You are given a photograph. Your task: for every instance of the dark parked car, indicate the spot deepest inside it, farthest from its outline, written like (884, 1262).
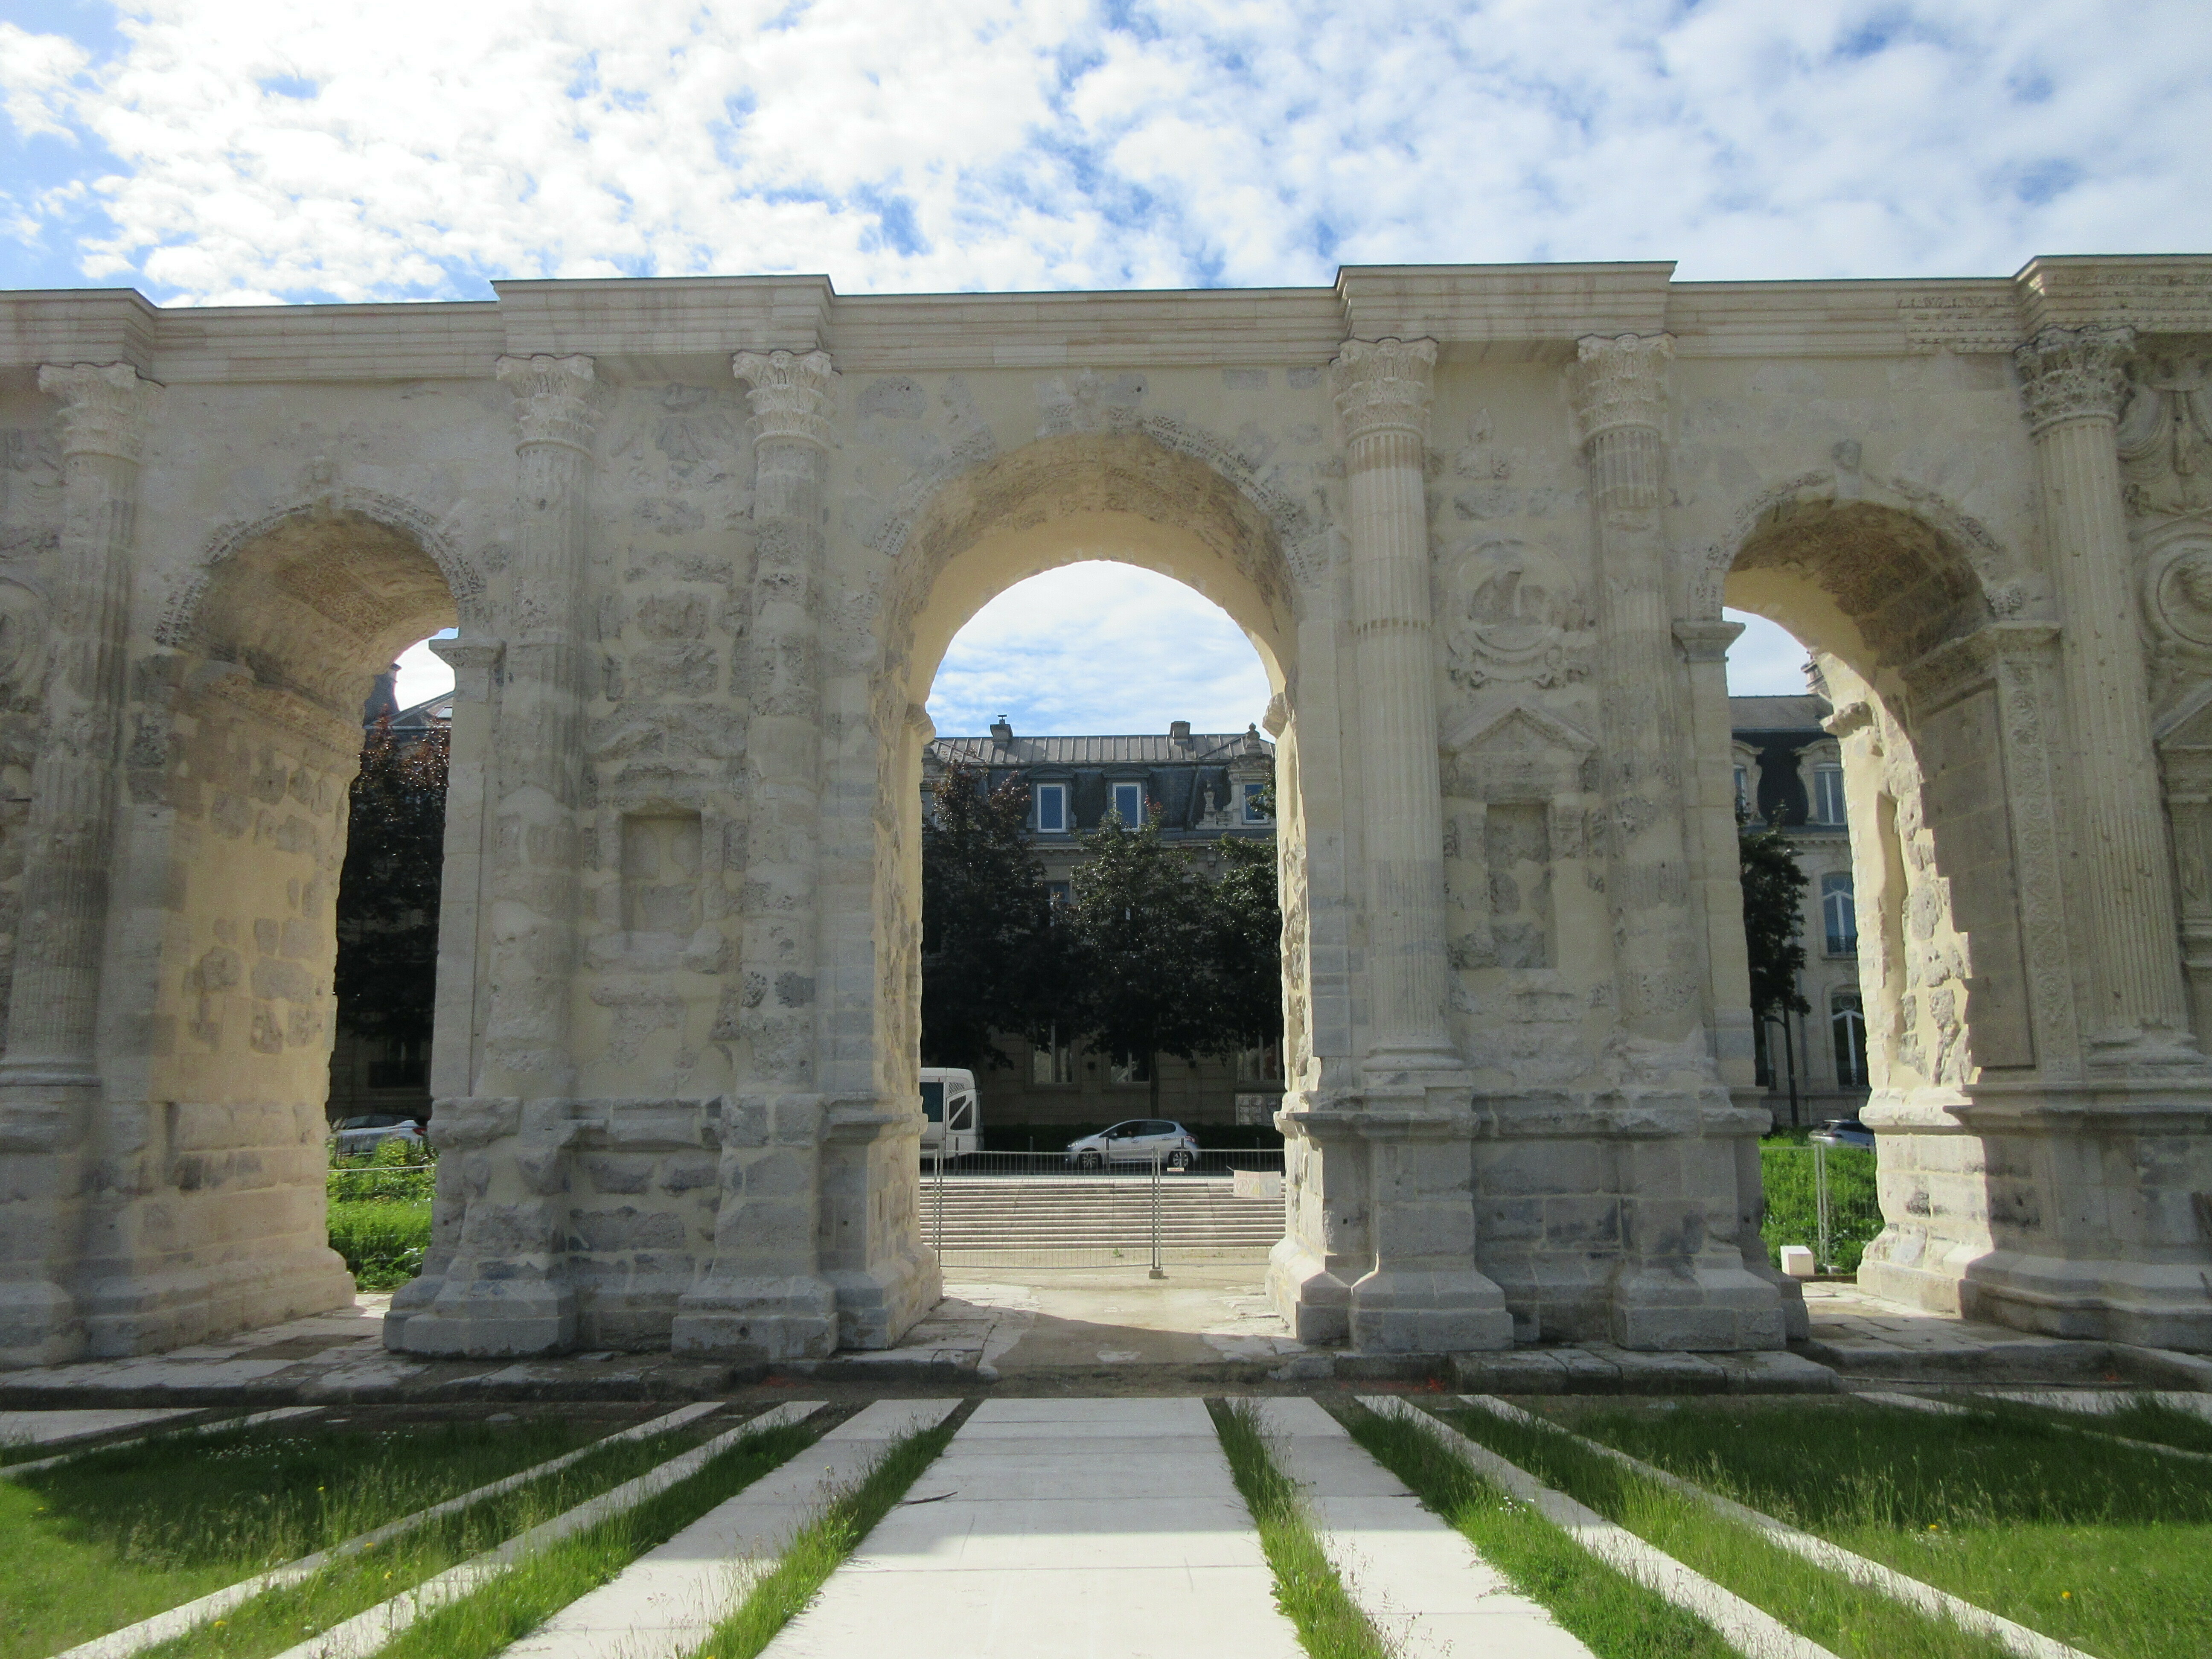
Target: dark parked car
(1843, 1132)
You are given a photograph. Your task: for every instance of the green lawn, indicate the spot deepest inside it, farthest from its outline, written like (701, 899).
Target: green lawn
(2102, 1547)
(382, 1240)
(114, 1536)
(1792, 1216)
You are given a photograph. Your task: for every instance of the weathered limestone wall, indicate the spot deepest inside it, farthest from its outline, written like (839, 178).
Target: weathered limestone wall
(705, 542)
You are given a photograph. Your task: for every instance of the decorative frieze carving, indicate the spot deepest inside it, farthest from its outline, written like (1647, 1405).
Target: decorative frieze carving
(2073, 374)
(791, 394)
(2166, 432)
(556, 400)
(1510, 625)
(1383, 385)
(1619, 382)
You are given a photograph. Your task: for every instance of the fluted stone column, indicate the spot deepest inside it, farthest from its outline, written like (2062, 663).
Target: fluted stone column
(765, 1297)
(1678, 1151)
(1619, 392)
(50, 1080)
(506, 1289)
(2072, 383)
(1415, 1103)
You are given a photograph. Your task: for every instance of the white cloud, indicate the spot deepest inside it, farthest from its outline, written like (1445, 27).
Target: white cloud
(254, 151)
(1096, 649)
(422, 674)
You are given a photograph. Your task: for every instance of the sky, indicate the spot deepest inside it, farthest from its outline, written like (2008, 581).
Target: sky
(229, 152)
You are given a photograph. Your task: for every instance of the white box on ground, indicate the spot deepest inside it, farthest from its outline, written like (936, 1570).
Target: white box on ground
(1797, 1261)
(1255, 1183)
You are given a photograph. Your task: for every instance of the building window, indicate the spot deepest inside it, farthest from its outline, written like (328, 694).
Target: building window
(1060, 892)
(1129, 804)
(1131, 1068)
(1052, 1061)
(1742, 792)
(1052, 809)
(1839, 912)
(1255, 803)
(1261, 1063)
(1828, 795)
(1848, 1022)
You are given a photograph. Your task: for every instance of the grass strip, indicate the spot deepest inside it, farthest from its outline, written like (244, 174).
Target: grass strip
(1307, 1588)
(2095, 1544)
(2144, 1419)
(278, 1619)
(543, 1582)
(1611, 1614)
(117, 1533)
(818, 1548)
(1856, 1619)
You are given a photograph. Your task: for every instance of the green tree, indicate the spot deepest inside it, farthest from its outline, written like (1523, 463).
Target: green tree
(1248, 952)
(1773, 922)
(387, 907)
(1146, 941)
(992, 949)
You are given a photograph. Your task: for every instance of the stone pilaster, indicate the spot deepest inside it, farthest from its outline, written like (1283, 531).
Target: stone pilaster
(505, 1288)
(454, 1053)
(2072, 384)
(1619, 392)
(1414, 1106)
(765, 1297)
(1683, 1281)
(50, 1080)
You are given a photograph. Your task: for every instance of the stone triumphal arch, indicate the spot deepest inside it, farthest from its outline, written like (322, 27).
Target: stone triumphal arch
(705, 542)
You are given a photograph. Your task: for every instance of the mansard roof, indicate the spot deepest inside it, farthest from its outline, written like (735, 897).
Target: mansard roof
(1199, 749)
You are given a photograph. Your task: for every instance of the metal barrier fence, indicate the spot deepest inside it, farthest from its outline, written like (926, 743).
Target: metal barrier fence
(1822, 1197)
(1037, 1210)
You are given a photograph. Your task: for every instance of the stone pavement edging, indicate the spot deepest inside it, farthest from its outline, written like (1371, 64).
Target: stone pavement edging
(668, 1600)
(1420, 1584)
(2017, 1639)
(1750, 1631)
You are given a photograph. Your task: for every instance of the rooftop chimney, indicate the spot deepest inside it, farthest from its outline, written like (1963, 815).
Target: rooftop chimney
(1000, 732)
(1179, 732)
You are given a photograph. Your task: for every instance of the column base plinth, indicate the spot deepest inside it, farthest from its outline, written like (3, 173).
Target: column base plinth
(1698, 1309)
(490, 1319)
(793, 1317)
(1428, 1310)
(1313, 1302)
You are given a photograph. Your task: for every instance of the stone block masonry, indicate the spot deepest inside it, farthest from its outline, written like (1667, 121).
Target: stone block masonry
(706, 541)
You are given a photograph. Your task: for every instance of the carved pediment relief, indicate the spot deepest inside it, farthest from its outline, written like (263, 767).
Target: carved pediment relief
(1519, 751)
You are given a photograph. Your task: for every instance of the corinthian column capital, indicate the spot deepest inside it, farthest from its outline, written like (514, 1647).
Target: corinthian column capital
(791, 394)
(1383, 385)
(2073, 375)
(1618, 381)
(556, 400)
(105, 407)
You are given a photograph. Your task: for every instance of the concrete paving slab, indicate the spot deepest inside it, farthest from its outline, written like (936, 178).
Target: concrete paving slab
(61, 1428)
(1029, 1548)
(669, 1601)
(1419, 1582)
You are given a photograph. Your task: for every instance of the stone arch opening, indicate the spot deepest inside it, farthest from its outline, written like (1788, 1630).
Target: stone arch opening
(270, 663)
(1119, 497)
(1941, 710)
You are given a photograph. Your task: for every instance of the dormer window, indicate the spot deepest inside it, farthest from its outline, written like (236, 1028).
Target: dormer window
(1129, 804)
(1255, 803)
(1051, 809)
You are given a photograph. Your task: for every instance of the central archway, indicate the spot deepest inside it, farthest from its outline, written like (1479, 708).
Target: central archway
(1123, 497)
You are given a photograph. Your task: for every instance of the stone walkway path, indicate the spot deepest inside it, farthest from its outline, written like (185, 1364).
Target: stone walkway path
(1062, 1527)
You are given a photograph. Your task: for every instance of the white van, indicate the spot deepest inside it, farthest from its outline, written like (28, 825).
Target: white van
(954, 1119)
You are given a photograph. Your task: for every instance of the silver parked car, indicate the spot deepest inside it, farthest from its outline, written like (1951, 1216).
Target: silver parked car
(1140, 1140)
(356, 1135)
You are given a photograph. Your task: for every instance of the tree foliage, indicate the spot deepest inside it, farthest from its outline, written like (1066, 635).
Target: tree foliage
(1773, 920)
(994, 955)
(387, 904)
(1152, 957)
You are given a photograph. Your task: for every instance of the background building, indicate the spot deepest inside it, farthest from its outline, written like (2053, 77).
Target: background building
(1789, 773)
(1200, 788)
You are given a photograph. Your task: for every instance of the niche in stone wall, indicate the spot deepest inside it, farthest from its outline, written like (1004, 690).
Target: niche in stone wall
(1516, 847)
(661, 870)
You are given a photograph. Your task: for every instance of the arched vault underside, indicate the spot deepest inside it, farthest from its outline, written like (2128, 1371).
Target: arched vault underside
(707, 543)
